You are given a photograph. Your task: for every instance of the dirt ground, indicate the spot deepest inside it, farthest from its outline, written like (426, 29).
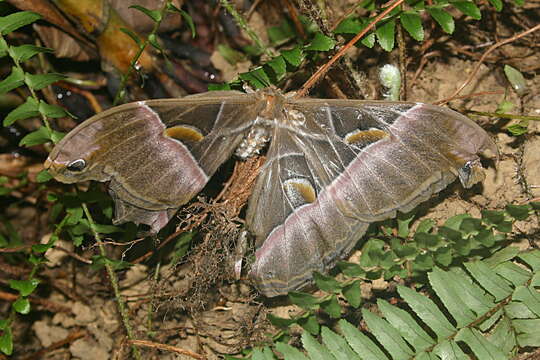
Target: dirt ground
(78, 311)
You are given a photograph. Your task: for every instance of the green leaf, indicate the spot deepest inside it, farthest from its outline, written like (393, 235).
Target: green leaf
(481, 347)
(513, 273)
(264, 354)
(350, 25)
(6, 341)
(218, 87)
(22, 306)
(25, 52)
(385, 34)
(502, 256)
(304, 300)
(25, 287)
(314, 349)
(326, 283)
(403, 221)
(448, 290)
(518, 310)
(4, 47)
(16, 20)
(455, 221)
(504, 107)
(532, 258)
(75, 215)
(497, 4)
(518, 212)
(99, 261)
(492, 217)
(427, 241)
(293, 56)
(372, 253)
(256, 78)
(28, 109)
(280, 322)
(505, 227)
(443, 18)
(528, 332)
(289, 352)
(426, 310)
(471, 226)
(332, 307)
(518, 129)
(133, 36)
(412, 22)
(309, 323)
(425, 226)
(528, 296)
(353, 293)
(278, 65)
(321, 42)
(155, 15)
(107, 229)
(39, 81)
(14, 80)
(360, 343)
(387, 336)
(406, 325)
(489, 280)
(351, 269)
(337, 345)
(40, 136)
(152, 39)
(51, 111)
(450, 234)
(231, 55)
(443, 256)
(468, 8)
(187, 18)
(282, 33)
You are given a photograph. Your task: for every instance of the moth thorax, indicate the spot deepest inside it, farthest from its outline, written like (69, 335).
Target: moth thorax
(253, 143)
(296, 117)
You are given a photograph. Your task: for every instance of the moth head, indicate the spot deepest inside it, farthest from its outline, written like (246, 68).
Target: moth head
(67, 171)
(471, 173)
(73, 159)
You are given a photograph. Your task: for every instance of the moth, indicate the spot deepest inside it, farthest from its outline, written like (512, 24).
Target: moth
(332, 168)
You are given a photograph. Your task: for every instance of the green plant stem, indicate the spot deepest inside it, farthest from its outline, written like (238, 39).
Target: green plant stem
(32, 92)
(122, 308)
(244, 26)
(132, 66)
(504, 116)
(152, 298)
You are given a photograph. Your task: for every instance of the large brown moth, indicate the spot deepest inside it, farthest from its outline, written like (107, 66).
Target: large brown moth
(333, 166)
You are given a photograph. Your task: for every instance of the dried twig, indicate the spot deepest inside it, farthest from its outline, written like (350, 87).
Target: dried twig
(56, 345)
(491, 49)
(166, 347)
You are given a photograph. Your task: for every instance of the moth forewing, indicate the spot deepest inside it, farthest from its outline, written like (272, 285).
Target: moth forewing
(153, 171)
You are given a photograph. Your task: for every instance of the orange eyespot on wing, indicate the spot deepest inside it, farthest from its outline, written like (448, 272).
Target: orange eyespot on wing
(300, 189)
(184, 133)
(365, 137)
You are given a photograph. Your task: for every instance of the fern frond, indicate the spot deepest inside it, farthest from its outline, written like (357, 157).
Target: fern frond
(485, 309)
